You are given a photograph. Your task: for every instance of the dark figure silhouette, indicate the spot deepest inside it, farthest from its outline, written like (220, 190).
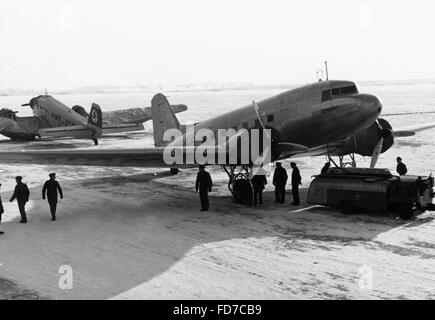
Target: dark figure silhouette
(51, 188)
(258, 183)
(325, 168)
(280, 178)
(203, 185)
(1, 210)
(21, 193)
(296, 182)
(401, 167)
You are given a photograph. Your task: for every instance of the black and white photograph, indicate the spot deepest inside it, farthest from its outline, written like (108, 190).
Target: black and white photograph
(187, 150)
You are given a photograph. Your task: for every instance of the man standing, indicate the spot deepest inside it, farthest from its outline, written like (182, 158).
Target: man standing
(401, 167)
(21, 193)
(296, 181)
(1, 210)
(51, 187)
(258, 182)
(203, 185)
(325, 168)
(280, 178)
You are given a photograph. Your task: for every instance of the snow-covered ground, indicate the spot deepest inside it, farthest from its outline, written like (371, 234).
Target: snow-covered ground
(132, 233)
(142, 236)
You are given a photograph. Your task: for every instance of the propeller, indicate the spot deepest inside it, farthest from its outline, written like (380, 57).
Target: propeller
(257, 111)
(384, 133)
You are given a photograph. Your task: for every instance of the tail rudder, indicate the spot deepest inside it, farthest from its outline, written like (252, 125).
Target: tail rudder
(163, 118)
(95, 119)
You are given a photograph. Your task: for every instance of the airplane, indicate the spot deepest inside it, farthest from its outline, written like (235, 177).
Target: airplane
(323, 118)
(53, 119)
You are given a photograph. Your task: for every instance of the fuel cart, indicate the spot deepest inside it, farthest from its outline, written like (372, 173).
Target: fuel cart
(354, 190)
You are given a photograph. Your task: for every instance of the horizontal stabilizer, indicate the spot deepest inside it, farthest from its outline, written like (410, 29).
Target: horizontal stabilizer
(66, 132)
(109, 128)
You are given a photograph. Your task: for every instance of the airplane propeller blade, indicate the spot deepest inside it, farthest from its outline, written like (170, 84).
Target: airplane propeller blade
(257, 111)
(376, 153)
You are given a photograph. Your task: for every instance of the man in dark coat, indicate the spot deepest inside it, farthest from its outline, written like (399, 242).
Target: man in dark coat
(401, 167)
(296, 182)
(258, 182)
(1, 210)
(280, 178)
(52, 187)
(21, 193)
(325, 168)
(203, 185)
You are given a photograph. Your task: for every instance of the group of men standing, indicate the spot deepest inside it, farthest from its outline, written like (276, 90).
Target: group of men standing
(204, 184)
(21, 194)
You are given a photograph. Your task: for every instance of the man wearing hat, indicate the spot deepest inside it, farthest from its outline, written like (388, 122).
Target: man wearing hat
(280, 178)
(51, 187)
(21, 193)
(203, 185)
(401, 167)
(296, 182)
(1, 210)
(325, 168)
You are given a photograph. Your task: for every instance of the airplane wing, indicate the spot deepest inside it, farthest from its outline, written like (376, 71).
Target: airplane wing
(135, 115)
(109, 128)
(413, 129)
(145, 157)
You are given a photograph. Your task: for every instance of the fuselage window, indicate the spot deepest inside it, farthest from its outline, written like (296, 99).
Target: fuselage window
(337, 92)
(326, 95)
(257, 124)
(270, 118)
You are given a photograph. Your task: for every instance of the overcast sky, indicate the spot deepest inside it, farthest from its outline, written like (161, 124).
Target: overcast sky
(72, 43)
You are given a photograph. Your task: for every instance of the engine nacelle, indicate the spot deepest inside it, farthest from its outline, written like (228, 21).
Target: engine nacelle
(80, 110)
(8, 113)
(365, 141)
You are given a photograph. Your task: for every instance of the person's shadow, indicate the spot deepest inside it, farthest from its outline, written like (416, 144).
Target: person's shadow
(118, 233)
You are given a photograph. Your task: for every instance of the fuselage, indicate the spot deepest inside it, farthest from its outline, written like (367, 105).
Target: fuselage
(311, 115)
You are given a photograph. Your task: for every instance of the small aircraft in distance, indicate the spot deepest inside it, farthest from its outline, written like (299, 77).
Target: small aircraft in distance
(323, 118)
(53, 119)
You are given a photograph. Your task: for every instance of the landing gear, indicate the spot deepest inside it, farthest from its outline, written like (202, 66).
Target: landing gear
(239, 183)
(349, 163)
(345, 161)
(94, 138)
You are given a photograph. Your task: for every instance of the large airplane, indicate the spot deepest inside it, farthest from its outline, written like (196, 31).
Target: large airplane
(324, 118)
(53, 119)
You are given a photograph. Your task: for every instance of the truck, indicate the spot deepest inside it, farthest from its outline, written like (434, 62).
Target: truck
(354, 190)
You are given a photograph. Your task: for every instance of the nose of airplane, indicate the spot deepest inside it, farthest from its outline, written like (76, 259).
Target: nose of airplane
(370, 105)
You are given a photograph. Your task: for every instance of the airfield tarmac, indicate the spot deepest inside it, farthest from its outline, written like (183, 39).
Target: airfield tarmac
(141, 236)
(134, 233)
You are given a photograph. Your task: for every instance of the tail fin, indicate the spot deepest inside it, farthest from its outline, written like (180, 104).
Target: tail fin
(95, 119)
(163, 118)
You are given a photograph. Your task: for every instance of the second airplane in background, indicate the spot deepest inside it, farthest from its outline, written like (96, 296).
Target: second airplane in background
(53, 119)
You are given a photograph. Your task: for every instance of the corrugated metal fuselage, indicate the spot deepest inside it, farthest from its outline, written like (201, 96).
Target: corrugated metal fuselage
(300, 116)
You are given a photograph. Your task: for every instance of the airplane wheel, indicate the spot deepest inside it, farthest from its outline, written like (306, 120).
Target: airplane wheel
(242, 191)
(174, 171)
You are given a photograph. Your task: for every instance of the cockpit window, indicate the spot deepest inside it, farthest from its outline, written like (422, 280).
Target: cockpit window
(337, 92)
(348, 90)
